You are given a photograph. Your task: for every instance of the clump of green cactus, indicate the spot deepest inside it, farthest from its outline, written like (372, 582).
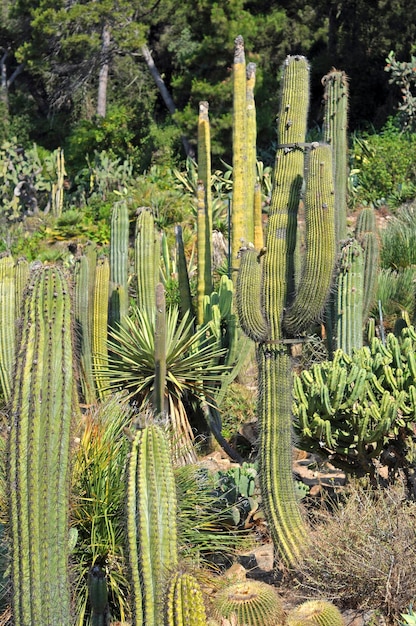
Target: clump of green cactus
(151, 522)
(315, 613)
(271, 309)
(42, 406)
(252, 602)
(184, 604)
(358, 410)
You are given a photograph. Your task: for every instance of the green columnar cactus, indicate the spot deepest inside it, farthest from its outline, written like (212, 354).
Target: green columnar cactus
(315, 613)
(366, 235)
(184, 604)
(146, 261)
(98, 595)
(21, 278)
(151, 523)
(258, 238)
(275, 283)
(238, 213)
(119, 246)
(185, 304)
(336, 96)
(252, 602)
(84, 279)
(100, 326)
(315, 280)
(251, 147)
(350, 291)
(42, 405)
(204, 216)
(8, 323)
(160, 351)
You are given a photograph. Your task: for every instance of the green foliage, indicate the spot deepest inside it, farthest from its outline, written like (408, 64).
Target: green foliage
(403, 75)
(398, 239)
(383, 169)
(396, 291)
(97, 512)
(409, 618)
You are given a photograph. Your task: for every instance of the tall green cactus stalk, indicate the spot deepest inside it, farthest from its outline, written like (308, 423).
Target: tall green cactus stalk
(184, 604)
(185, 304)
(151, 523)
(8, 323)
(336, 97)
(42, 405)
(160, 351)
(265, 293)
(366, 234)
(238, 213)
(100, 327)
(84, 279)
(204, 216)
(350, 290)
(146, 261)
(119, 248)
(251, 147)
(258, 236)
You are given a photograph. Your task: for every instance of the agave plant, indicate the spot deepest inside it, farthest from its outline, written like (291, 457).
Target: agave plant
(192, 369)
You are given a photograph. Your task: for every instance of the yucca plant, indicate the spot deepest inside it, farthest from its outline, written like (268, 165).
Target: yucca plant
(97, 514)
(192, 368)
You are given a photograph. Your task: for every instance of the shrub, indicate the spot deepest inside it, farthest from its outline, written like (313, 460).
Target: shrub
(367, 565)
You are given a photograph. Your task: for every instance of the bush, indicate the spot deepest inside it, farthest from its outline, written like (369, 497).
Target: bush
(367, 565)
(383, 167)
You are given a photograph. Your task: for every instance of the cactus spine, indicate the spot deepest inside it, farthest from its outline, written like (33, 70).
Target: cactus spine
(184, 602)
(151, 523)
(275, 283)
(38, 470)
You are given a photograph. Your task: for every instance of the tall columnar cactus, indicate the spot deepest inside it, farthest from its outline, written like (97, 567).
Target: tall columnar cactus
(42, 405)
(8, 323)
(99, 344)
(146, 260)
(151, 523)
(184, 604)
(98, 596)
(84, 295)
(251, 148)
(350, 291)
(204, 215)
(264, 293)
(366, 234)
(238, 213)
(336, 97)
(160, 351)
(119, 247)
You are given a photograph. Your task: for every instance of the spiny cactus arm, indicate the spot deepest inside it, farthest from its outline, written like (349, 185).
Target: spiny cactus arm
(248, 296)
(350, 286)
(132, 534)
(203, 261)
(238, 214)
(184, 602)
(251, 148)
(319, 261)
(336, 97)
(151, 503)
(146, 260)
(100, 326)
(119, 244)
(366, 235)
(278, 267)
(8, 323)
(204, 173)
(160, 351)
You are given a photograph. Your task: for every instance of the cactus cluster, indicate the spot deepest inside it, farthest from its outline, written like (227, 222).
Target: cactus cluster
(350, 408)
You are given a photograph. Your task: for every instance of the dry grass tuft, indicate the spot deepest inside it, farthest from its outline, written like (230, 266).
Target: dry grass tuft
(363, 553)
